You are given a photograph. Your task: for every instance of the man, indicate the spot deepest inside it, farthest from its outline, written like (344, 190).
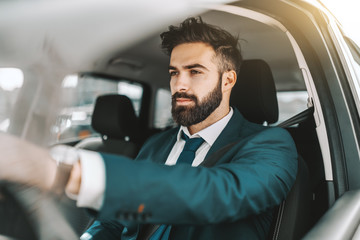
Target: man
(172, 190)
(234, 199)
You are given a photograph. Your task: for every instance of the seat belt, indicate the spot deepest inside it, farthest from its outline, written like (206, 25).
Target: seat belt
(298, 118)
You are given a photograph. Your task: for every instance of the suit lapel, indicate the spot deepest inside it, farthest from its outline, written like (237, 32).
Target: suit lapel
(163, 151)
(230, 134)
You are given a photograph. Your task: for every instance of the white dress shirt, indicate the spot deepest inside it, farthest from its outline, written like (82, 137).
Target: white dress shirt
(209, 134)
(92, 186)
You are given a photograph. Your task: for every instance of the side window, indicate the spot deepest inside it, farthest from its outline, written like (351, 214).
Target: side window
(79, 94)
(291, 103)
(11, 80)
(162, 114)
(355, 53)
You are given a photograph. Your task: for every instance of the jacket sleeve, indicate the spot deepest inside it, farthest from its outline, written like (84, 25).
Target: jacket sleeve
(251, 178)
(110, 230)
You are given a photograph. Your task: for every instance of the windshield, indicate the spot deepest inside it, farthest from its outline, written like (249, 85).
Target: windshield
(11, 80)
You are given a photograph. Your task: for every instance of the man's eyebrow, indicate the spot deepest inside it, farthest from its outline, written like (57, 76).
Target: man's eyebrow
(172, 68)
(195, 65)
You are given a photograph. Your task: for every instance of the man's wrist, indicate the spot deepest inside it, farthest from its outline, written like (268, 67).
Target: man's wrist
(74, 183)
(91, 178)
(65, 157)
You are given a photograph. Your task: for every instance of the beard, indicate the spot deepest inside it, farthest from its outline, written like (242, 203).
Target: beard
(190, 115)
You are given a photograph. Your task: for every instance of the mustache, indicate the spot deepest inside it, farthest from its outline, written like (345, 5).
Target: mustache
(183, 95)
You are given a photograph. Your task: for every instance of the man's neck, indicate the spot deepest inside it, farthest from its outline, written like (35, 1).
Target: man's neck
(215, 116)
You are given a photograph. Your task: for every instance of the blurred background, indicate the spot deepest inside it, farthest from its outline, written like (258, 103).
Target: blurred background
(347, 13)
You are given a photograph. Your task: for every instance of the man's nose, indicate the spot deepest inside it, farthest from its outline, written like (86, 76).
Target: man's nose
(182, 83)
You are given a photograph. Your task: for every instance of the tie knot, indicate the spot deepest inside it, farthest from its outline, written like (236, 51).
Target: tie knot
(191, 144)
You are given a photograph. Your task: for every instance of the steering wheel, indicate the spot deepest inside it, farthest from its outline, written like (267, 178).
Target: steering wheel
(28, 213)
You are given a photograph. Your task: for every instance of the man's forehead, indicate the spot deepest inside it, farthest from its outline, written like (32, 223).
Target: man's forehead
(192, 54)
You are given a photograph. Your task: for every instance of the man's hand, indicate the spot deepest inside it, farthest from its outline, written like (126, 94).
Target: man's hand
(25, 163)
(73, 186)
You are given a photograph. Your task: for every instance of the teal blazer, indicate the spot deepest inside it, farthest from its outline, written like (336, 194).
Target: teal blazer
(234, 199)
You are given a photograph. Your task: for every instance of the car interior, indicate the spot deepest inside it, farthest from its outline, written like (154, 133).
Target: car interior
(124, 99)
(270, 90)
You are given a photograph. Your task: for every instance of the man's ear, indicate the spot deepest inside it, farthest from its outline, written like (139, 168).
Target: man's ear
(228, 80)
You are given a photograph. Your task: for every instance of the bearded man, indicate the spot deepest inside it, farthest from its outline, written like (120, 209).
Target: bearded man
(169, 191)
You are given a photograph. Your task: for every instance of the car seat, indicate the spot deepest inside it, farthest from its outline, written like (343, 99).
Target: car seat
(115, 119)
(254, 95)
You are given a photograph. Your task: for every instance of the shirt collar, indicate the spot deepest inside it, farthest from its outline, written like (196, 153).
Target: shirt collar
(212, 132)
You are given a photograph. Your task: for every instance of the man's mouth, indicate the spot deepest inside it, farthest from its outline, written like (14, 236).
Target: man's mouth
(184, 101)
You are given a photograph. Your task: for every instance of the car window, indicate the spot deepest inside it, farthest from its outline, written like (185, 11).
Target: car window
(355, 53)
(11, 81)
(291, 103)
(79, 94)
(162, 114)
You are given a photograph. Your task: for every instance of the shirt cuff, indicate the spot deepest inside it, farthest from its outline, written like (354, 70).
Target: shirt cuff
(92, 188)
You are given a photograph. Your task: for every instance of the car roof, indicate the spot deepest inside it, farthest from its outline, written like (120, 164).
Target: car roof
(122, 38)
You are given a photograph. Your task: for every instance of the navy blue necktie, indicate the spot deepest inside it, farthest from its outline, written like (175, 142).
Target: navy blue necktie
(186, 157)
(188, 153)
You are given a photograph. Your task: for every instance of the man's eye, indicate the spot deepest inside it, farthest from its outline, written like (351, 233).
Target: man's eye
(194, 72)
(173, 73)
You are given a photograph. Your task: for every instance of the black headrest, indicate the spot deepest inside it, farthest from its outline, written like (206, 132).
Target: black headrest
(114, 116)
(254, 93)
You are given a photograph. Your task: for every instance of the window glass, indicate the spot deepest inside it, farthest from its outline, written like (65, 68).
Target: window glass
(79, 94)
(11, 81)
(162, 115)
(291, 103)
(355, 53)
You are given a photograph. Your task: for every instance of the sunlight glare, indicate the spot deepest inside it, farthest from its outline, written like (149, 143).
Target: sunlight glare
(11, 78)
(347, 13)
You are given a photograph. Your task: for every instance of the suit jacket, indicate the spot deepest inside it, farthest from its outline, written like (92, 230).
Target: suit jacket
(234, 199)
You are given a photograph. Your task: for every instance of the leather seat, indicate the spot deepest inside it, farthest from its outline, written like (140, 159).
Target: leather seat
(115, 119)
(254, 95)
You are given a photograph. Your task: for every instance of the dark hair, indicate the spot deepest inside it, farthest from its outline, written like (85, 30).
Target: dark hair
(193, 30)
